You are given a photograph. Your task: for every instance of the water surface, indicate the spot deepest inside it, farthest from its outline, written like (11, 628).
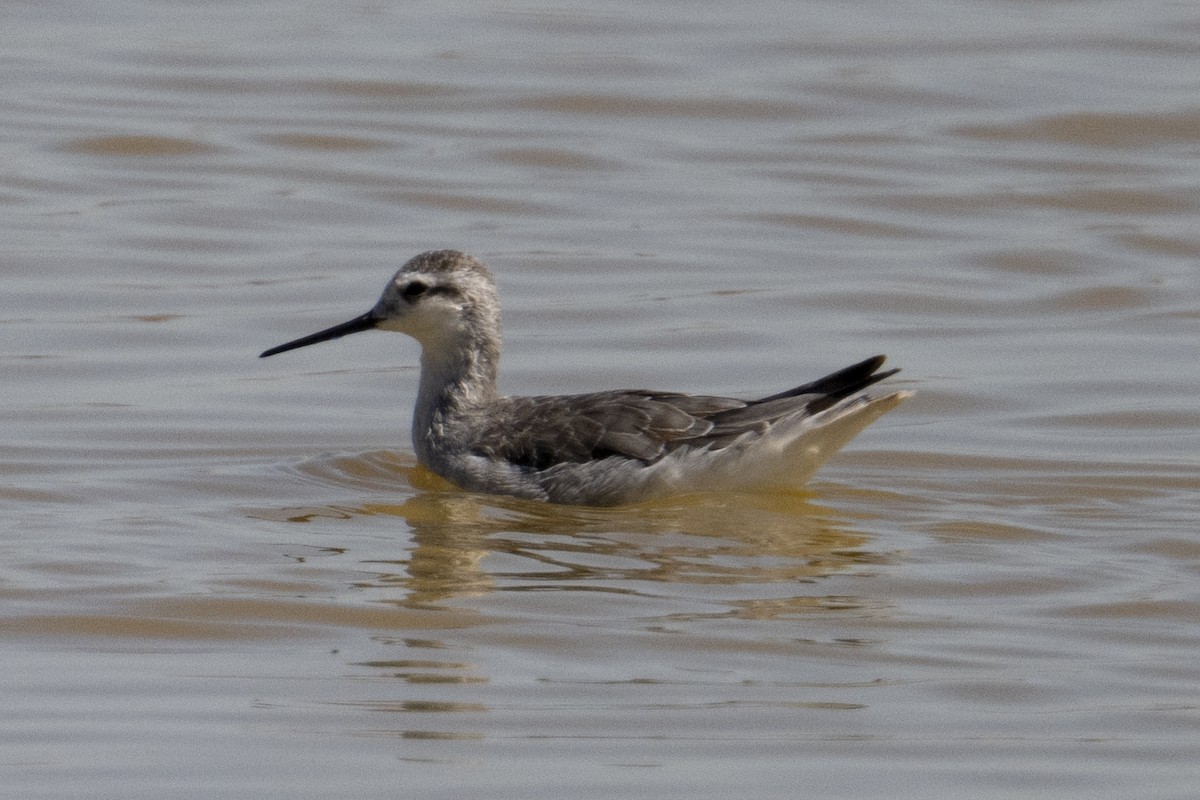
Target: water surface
(228, 577)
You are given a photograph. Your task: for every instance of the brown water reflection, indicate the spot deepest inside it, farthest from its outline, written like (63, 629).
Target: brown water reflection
(703, 540)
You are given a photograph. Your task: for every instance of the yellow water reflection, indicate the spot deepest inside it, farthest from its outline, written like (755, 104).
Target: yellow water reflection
(466, 545)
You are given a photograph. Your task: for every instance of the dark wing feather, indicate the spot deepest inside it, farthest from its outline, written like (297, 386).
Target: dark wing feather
(539, 432)
(836, 385)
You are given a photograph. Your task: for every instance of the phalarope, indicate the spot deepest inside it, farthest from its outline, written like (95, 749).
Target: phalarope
(606, 448)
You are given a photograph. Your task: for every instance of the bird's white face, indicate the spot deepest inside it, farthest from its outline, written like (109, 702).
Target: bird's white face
(439, 309)
(422, 305)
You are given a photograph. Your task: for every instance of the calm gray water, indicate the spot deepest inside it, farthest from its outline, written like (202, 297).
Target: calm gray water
(226, 577)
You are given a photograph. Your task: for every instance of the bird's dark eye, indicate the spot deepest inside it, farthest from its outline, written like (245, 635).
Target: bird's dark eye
(413, 290)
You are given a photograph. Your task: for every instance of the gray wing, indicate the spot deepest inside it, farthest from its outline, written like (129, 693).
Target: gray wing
(539, 432)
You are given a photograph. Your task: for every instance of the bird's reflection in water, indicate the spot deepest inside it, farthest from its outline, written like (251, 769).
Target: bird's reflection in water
(468, 544)
(465, 544)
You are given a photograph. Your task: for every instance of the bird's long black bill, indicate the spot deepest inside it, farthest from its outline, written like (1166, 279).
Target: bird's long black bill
(363, 323)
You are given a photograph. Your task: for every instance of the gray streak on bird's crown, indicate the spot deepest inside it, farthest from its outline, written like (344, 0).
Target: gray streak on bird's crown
(446, 262)
(449, 272)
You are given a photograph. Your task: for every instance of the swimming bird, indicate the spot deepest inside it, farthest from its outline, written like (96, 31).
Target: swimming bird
(604, 448)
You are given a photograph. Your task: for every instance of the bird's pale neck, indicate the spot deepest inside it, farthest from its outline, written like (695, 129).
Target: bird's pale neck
(457, 374)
